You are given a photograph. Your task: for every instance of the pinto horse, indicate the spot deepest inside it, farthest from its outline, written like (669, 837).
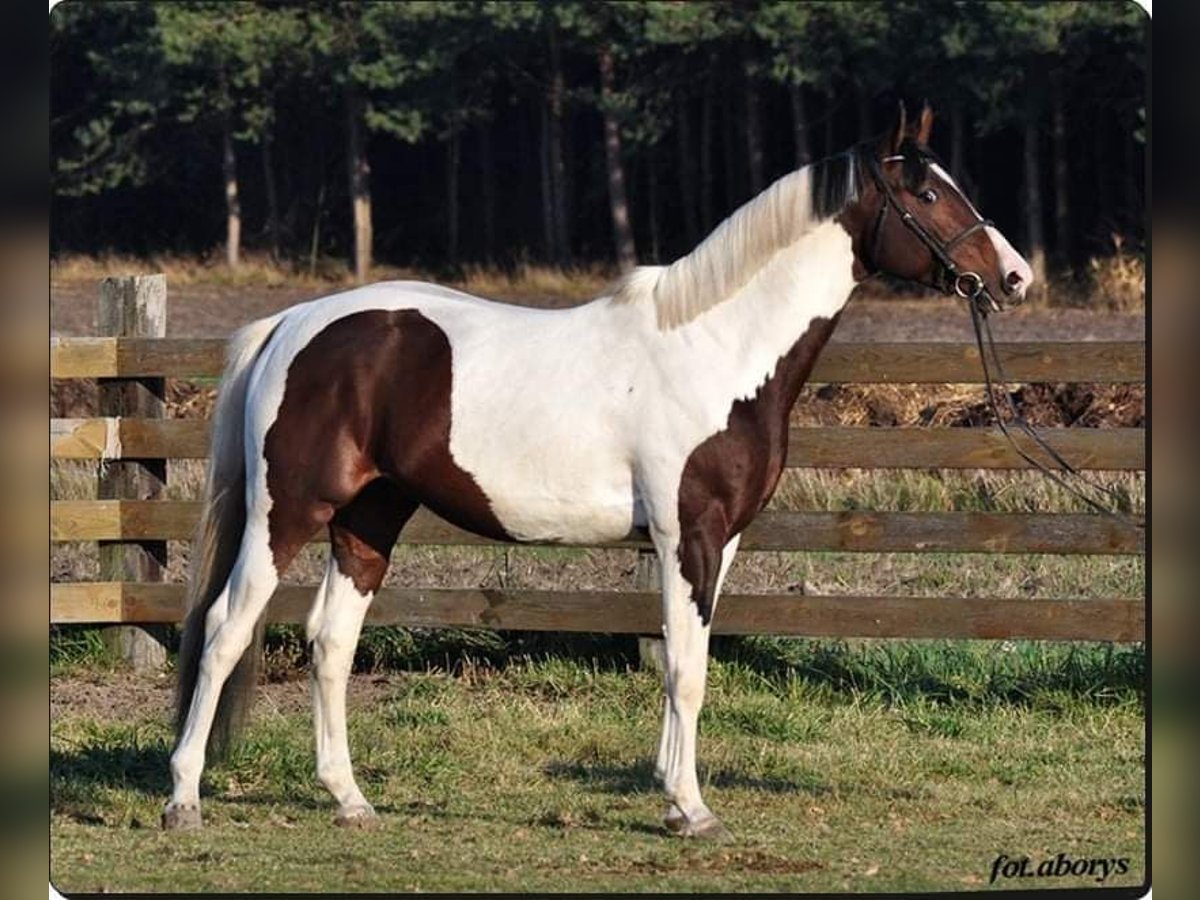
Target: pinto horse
(661, 405)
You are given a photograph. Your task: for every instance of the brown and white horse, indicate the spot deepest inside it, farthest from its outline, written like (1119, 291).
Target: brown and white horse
(663, 404)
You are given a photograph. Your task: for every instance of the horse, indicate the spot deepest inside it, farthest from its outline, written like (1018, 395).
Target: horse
(661, 405)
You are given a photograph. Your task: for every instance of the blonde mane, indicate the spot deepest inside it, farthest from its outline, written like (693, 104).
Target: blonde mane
(743, 244)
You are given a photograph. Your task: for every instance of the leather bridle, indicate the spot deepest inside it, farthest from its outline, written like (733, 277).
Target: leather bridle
(950, 279)
(968, 285)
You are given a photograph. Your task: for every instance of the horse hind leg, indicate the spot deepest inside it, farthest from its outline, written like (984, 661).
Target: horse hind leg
(361, 537)
(228, 633)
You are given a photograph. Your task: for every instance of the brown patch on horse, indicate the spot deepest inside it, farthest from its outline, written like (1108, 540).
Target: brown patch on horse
(363, 533)
(729, 478)
(368, 397)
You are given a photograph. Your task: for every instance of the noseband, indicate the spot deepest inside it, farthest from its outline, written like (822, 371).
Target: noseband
(951, 279)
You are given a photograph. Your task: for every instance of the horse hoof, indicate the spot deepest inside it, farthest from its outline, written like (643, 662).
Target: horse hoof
(363, 817)
(674, 819)
(181, 817)
(709, 829)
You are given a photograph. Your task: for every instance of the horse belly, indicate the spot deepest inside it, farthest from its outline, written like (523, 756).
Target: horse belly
(560, 498)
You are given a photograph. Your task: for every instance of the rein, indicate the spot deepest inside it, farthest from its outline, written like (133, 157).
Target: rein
(970, 287)
(980, 322)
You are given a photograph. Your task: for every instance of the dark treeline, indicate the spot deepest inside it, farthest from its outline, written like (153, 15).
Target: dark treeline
(436, 134)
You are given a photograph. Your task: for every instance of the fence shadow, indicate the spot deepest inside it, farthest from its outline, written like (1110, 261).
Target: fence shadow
(77, 774)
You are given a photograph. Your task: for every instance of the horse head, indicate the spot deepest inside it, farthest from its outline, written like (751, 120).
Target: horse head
(914, 222)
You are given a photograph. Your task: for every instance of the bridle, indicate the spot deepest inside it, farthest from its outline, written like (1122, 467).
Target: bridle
(950, 278)
(968, 285)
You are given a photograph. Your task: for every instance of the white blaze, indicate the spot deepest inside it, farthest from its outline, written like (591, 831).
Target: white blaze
(1010, 260)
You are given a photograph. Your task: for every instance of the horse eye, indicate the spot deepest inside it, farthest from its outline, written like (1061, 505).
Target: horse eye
(928, 195)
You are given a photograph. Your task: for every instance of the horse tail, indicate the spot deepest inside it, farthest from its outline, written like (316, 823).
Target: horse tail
(217, 540)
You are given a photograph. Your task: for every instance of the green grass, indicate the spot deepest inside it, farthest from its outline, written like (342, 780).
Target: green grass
(838, 765)
(521, 761)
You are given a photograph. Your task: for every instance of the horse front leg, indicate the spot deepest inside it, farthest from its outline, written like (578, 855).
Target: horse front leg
(688, 604)
(667, 736)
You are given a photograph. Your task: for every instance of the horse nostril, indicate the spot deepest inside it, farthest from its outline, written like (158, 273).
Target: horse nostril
(1013, 280)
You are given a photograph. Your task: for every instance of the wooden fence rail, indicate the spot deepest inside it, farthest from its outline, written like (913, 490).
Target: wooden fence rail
(130, 521)
(811, 447)
(637, 612)
(1109, 362)
(848, 531)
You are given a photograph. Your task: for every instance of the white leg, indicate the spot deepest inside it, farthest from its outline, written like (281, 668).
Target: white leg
(687, 668)
(668, 736)
(229, 629)
(334, 635)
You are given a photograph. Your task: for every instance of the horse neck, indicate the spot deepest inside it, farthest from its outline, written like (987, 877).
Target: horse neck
(785, 307)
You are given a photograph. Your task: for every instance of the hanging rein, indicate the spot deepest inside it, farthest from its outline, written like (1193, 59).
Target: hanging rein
(969, 286)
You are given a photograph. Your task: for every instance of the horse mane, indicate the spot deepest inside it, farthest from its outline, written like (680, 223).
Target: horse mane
(744, 243)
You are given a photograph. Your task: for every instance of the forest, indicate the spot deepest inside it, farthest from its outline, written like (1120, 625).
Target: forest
(440, 134)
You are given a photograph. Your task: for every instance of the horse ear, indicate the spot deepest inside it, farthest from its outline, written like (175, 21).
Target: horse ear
(897, 137)
(925, 125)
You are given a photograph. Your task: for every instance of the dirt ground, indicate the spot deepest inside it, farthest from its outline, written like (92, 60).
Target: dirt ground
(127, 696)
(213, 310)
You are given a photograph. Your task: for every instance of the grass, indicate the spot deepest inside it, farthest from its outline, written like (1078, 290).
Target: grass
(839, 767)
(519, 281)
(1113, 282)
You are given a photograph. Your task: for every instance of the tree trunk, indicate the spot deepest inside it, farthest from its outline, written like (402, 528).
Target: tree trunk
(863, 107)
(799, 126)
(548, 231)
(487, 166)
(272, 195)
(830, 134)
(957, 150)
(359, 171)
(314, 247)
(618, 202)
(1033, 203)
(1103, 175)
(1132, 181)
(453, 154)
(729, 149)
(233, 206)
(1062, 211)
(652, 202)
(687, 176)
(706, 162)
(754, 140)
(555, 102)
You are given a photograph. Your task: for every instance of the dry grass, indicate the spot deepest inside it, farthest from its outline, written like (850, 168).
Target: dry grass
(1115, 283)
(523, 281)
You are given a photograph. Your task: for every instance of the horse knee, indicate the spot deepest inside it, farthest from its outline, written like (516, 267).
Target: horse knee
(329, 648)
(687, 687)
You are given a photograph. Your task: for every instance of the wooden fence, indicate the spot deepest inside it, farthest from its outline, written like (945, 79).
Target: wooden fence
(132, 524)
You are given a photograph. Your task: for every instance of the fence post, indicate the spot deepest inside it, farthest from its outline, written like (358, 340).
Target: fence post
(647, 576)
(133, 306)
